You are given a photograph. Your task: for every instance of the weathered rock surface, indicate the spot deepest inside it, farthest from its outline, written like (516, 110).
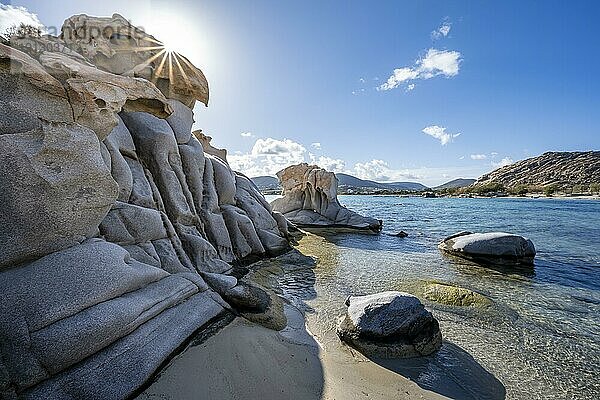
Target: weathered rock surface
(97, 96)
(563, 169)
(208, 148)
(389, 325)
(117, 229)
(29, 94)
(115, 45)
(55, 190)
(493, 247)
(310, 201)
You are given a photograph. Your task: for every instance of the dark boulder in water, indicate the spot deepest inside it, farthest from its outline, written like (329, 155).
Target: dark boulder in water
(400, 234)
(389, 325)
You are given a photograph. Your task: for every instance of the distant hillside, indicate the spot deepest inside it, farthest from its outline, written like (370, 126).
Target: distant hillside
(265, 183)
(456, 184)
(346, 183)
(561, 169)
(351, 182)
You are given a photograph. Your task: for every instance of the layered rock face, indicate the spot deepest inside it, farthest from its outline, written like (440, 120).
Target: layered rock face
(117, 228)
(310, 201)
(564, 169)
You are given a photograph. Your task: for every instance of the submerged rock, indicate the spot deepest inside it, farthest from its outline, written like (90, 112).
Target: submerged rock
(494, 247)
(452, 295)
(400, 234)
(389, 325)
(310, 201)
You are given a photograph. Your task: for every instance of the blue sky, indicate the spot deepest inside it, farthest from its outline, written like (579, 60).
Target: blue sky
(290, 81)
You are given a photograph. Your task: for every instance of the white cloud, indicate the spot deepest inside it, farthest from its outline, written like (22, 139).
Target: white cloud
(503, 163)
(270, 146)
(11, 16)
(439, 62)
(268, 156)
(410, 87)
(440, 133)
(434, 63)
(372, 170)
(362, 80)
(399, 76)
(442, 31)
(478, 156)
(247, 134)
(330, 164)
(379, 170)
(493, 154)
(316, 145)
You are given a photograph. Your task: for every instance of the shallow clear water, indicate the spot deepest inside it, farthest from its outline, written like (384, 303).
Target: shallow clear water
(540, 337)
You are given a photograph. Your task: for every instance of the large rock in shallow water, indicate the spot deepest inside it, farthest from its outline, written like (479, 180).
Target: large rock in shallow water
(310, 201)
(390, 325)
(494, 247)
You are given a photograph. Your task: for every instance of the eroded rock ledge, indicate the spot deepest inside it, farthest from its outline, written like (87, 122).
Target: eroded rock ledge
(310, 201)
(117, 228)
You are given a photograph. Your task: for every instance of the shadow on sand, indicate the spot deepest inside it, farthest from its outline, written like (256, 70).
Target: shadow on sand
(451, 372)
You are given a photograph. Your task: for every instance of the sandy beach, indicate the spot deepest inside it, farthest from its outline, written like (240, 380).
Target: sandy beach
(247, 361)
(306, 359)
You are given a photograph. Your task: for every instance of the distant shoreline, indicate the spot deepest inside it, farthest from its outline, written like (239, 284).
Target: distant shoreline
(532, 197)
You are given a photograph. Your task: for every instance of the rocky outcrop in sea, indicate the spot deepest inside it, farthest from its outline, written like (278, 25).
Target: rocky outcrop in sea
(309, 200)
(119, 228)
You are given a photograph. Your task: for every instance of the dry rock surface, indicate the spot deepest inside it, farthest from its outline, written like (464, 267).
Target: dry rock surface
(119, 231)
(310, 201)
(493, 247)
(389, 325)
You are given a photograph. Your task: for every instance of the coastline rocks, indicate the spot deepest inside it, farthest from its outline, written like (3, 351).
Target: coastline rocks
(310, 201)
(494, 247)
(29, 94)
(118, 229)
(55, 191)
(451, 295)
(97, 96)
(109, 44)
(208, 148)
(389, 325)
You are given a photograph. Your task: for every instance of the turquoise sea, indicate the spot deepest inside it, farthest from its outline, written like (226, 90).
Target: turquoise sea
(541, 337)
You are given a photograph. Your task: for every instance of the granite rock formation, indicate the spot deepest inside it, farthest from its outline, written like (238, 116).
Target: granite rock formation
(118, 229)
(310, 201)
(389, 325)
(494, 247)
